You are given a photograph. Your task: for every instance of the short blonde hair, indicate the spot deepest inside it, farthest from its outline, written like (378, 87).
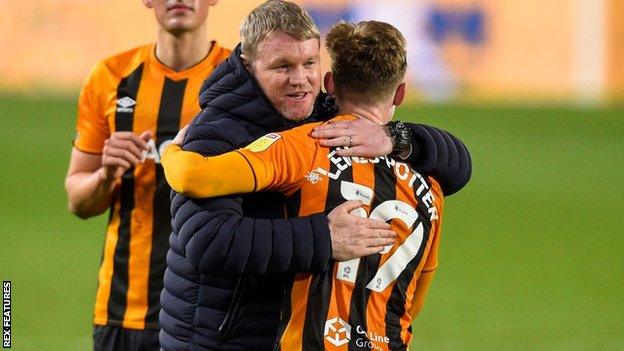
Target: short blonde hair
(275, 16)
(368, 59)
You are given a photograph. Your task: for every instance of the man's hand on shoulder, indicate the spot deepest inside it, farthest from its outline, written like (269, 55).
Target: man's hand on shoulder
(362, 138)
(179, 138)
(353, 236)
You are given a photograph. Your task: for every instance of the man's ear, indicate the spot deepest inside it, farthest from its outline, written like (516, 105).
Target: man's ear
(148, 3)
(246, 62)
(399, 94)
(328, 81)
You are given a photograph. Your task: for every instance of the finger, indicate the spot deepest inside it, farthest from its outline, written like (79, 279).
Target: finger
(179, 138)
(146, 135)
(125, 145)
(123, 154)
(375, 224)
(342, 141)
(379, 242)
(355, 151)
(331, 125)
(114, 162)
(129, 136)
(121, 135)
(328, 133)
(377, 237)
(374, 250)
(350, 205)
(387, 234)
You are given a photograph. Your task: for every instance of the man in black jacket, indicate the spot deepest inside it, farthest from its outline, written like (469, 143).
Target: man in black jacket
(224, 280)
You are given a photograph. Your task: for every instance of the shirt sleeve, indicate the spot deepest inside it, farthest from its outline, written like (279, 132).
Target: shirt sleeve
(92, 128)
(280, 161)
(266, 164)
(431, 262)
(198, 176)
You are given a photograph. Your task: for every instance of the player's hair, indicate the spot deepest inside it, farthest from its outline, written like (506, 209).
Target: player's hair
(368, 59)
(275, 16)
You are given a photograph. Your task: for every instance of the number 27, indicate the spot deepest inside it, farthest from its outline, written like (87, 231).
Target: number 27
(387, 210)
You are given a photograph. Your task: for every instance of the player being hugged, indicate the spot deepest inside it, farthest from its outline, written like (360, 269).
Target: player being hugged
(361, 304)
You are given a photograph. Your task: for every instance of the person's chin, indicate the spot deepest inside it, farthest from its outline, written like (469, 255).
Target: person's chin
(179, 25)
(298, 110)
(299, 113)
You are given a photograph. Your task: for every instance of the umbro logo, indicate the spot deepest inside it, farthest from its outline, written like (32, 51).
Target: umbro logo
(125, 104)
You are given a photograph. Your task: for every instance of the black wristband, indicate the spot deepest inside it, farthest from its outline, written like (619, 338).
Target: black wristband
(401, 136)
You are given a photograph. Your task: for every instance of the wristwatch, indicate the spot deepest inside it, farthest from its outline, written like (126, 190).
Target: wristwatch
(401, 135)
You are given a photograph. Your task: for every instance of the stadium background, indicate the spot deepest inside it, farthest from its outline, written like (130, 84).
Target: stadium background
(532, 255)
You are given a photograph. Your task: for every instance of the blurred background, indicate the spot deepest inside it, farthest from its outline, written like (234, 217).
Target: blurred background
(532, 255)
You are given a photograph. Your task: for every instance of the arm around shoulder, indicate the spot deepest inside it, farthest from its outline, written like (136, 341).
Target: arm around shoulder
(198, 176)
(217, 239)
(442, 155)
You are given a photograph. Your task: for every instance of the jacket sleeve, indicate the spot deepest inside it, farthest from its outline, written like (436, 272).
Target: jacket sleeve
(440, 154)
(217, 238)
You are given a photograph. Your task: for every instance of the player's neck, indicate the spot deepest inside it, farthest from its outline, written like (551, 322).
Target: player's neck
(183, 51)
(374, 113)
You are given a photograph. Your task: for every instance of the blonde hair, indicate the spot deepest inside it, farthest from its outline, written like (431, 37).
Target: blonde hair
(275, 16)
(368, 59)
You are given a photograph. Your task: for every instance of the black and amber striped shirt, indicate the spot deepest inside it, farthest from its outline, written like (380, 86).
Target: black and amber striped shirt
(362, 304)
(133, 91)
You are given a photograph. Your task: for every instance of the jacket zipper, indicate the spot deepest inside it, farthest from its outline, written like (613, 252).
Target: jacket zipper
(230, 317)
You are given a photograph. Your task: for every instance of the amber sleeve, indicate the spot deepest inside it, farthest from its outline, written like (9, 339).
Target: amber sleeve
(92, 129)
(422, 288)
(197, 176)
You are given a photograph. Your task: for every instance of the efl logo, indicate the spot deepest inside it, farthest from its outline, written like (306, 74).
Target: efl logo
(6, 314)
(337, 331)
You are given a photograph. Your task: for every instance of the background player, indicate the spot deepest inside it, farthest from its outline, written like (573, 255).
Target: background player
(130, 106)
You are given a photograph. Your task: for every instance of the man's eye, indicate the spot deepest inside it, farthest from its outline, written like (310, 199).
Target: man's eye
(310, 63)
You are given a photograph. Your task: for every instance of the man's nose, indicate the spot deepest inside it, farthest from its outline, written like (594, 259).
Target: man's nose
(297, 76)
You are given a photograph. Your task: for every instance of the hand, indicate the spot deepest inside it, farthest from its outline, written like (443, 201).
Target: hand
(363, 138)
(122, 151)
(353, 236)
(179, 138)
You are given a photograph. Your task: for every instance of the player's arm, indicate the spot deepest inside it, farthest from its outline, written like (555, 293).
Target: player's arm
(441, 155)
(98, 158)
(198, 176)
(431, 262)
(216, 238)
(88, 188)
(422, 288)
(91, 178)
(431, 150)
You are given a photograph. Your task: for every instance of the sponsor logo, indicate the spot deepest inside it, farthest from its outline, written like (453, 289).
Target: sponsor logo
(337, 331)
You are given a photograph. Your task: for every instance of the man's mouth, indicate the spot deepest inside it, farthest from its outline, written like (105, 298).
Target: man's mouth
(179, 7)
(298, 96)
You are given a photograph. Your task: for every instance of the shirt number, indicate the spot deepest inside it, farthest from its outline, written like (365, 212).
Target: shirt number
(387, 210)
